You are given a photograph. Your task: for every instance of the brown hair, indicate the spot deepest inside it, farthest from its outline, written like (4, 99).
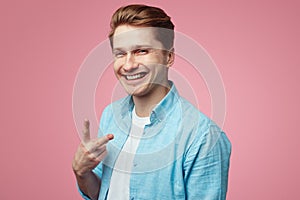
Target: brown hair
(145, 16)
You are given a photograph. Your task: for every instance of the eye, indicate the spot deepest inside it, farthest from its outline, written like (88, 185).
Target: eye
(119, 54)
(141, 51)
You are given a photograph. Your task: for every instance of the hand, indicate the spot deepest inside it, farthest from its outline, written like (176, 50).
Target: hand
(90, 151)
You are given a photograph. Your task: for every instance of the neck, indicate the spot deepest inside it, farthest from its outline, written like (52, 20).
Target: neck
(145, 104)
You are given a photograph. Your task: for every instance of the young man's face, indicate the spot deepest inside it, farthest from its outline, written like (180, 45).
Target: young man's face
(140, 62)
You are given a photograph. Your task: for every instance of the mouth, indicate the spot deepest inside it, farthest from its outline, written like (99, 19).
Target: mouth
(135, 76)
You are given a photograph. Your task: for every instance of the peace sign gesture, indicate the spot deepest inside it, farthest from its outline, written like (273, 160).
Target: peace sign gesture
(90, 151)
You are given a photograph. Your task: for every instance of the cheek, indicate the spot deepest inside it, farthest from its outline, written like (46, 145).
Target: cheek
(161, 57)
(116, 66)
(149, 60)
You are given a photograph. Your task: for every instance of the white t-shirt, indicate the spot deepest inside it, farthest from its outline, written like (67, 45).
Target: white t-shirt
(120, 179)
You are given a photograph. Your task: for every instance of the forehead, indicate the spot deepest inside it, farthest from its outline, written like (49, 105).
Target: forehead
(126, 37)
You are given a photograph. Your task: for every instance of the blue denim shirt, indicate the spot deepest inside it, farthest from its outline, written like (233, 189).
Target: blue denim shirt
(182, 154)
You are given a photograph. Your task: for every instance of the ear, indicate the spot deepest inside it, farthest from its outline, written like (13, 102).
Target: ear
(171, 58)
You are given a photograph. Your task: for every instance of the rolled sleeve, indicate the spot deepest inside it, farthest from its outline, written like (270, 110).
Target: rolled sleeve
(206, 166)
(82, 194)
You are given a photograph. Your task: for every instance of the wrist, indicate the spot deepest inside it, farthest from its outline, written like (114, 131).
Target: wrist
(82, 174)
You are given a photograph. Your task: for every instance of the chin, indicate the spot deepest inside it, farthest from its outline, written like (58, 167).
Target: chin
(138, 92)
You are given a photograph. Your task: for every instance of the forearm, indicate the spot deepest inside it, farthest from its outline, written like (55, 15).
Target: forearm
(89, 184)
(87, 157)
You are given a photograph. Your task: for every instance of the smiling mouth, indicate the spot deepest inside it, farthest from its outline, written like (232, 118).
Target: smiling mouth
(135, 76)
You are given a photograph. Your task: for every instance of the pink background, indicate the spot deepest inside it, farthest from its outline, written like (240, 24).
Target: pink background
(255, 45)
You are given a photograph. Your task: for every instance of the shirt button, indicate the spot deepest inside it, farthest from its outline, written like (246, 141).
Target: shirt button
(134, 165)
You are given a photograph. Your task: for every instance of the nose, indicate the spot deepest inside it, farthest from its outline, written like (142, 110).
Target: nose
(129, 64)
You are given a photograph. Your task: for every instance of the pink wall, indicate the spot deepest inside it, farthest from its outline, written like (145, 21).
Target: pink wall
(255, 45)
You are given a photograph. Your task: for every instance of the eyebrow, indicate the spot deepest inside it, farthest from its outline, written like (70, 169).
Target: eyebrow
(132, 47)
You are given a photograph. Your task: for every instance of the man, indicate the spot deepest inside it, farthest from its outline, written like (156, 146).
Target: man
(157, 145)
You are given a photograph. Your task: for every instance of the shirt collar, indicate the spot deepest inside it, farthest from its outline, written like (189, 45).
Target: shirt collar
(160, 111)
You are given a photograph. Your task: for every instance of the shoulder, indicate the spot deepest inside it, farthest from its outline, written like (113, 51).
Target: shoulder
(116, 106)
(193, 116)
(203, 131)
(114, 111)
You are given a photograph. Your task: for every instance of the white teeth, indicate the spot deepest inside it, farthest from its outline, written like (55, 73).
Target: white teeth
(136, 76)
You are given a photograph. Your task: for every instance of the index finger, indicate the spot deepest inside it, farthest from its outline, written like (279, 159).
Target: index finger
(104, 139)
